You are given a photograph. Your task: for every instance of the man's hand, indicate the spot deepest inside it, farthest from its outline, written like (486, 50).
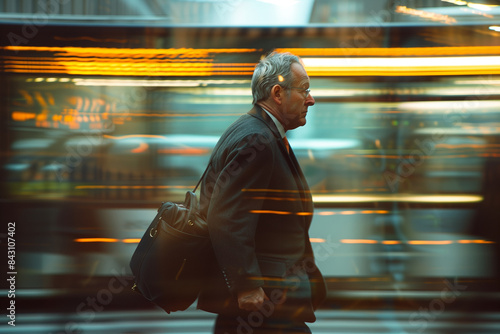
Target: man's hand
(251, 300)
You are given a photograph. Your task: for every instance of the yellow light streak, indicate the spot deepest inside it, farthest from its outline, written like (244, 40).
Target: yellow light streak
(456, 2)
(402, 66)
(397, 198)
(152, 62)
(481, 6)
(126, 61)
(108, 52)
(403, 62)
(395, 52)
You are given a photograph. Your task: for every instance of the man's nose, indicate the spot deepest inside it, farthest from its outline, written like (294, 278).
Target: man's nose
(310, 101)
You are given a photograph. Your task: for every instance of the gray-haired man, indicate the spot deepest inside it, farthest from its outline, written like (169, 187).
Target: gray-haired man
(258, 208)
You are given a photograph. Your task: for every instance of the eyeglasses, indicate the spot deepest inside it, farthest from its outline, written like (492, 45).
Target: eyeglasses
(306, 90)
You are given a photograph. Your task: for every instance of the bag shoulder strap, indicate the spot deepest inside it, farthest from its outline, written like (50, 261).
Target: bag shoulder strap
(201, 178)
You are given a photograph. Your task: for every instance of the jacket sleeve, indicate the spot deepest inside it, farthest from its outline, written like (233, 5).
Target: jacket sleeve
(232, 227)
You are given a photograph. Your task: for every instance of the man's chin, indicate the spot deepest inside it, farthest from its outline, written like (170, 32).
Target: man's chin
(298, 124)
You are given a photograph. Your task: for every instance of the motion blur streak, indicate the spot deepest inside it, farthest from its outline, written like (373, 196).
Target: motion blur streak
(96, 240)
(414, 242)
(130, 187)
(137, 240)
(398, 198)
(396, 52)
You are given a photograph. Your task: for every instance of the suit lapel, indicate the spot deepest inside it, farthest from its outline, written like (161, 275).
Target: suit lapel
(300, 180)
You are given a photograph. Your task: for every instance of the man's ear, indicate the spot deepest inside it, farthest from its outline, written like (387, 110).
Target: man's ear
(277, 94)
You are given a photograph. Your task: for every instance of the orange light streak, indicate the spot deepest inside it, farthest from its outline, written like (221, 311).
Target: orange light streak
(323, 213)
(467, 146)
(272, 190)
(348, 212)
(414, 242)
(125, 114)
(21, 116)
(277, 198)
(430, 242)
(187, 62)
(131, 187)
(183, 52)
(133, 136)
(131, 241)
(184, 151)
(304, 213)
(143, 147)
(318, 240)
(327, 213)
(271, 212)
(96, 240)
(475, 242)
(380, 212)
(391, 242)
(358, 241)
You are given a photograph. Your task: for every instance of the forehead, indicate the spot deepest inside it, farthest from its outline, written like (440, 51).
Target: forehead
(299, 74)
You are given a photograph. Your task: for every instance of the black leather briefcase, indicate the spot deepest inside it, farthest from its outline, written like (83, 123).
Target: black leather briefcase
(173, 256)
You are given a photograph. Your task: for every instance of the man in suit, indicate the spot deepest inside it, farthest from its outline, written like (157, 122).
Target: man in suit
(258, 208)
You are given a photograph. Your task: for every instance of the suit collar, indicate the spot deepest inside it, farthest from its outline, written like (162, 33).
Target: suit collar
(259, 113)
(279, 126)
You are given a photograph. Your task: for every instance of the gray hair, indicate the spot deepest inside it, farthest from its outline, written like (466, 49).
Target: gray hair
(275, 69)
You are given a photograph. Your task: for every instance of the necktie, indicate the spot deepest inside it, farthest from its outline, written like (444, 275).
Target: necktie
(287, 145)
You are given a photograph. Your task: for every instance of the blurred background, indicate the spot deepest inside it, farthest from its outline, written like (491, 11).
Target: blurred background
(109, 108)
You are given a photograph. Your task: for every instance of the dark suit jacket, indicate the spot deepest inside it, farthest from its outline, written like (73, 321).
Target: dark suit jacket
(258, 207)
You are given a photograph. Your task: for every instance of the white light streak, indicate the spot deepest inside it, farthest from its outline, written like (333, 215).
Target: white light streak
(154, 83)
(402, 62)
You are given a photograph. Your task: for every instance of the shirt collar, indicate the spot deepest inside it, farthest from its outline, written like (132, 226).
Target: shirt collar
(278, 124)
